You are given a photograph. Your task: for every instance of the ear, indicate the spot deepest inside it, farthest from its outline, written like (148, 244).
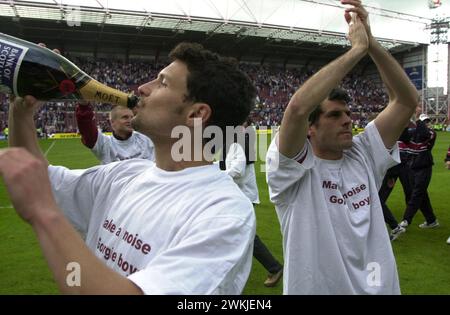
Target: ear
(198, 111)
(311, 131)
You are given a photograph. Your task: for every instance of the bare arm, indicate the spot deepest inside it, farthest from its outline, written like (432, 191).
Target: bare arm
(26, 175)
(294, 126)
(22, 130)
(403, 96)
(61, 245)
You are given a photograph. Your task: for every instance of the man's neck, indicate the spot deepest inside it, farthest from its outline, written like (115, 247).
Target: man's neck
(165, 161)
(326, 154)
(122, 136)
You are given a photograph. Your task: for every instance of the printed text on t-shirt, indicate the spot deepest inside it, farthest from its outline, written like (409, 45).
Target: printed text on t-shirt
(350, 193)
(131, 239)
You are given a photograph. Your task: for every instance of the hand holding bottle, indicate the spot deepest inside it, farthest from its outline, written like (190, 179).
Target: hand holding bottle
(27, 104)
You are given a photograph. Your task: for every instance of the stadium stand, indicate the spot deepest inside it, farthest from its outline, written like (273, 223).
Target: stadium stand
(275, 87)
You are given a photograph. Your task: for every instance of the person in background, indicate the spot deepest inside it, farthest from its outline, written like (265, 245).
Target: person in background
(386, 188)
(123, 144)
(400, 171)
(240, 166)
(421, 168)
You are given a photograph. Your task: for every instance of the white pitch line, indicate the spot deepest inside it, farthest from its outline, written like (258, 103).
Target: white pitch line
(48, 150)
(2, 207)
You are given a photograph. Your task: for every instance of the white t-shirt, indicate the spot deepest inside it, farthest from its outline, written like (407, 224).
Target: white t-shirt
(334, 237)
(242, 173)
(109, 149)
(184, 232)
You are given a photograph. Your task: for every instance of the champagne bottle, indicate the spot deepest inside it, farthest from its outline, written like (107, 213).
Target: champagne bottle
(29, 69)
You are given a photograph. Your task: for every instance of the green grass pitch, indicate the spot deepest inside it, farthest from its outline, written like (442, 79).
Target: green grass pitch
(423, 257)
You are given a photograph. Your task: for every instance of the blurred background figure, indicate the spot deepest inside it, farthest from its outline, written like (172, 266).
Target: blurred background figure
(123, 144)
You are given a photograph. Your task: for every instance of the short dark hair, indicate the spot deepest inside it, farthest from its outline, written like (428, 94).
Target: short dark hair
(336, 94)
(218, 82)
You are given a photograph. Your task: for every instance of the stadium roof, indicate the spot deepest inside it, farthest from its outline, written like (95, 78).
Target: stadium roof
(299, 24)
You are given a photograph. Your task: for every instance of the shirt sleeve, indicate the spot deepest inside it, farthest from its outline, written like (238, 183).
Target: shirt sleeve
(76, 191)
(101, 148)
(87, 124)
(283, 172)
(380, 159)
(196, 265)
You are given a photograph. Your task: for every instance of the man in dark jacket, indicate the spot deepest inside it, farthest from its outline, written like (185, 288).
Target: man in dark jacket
(421, 164)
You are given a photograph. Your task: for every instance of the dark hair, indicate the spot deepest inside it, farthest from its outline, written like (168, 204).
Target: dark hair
(218, 82)
(336, 94)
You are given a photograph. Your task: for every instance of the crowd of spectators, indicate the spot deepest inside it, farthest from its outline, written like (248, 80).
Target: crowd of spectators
(275, 87)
